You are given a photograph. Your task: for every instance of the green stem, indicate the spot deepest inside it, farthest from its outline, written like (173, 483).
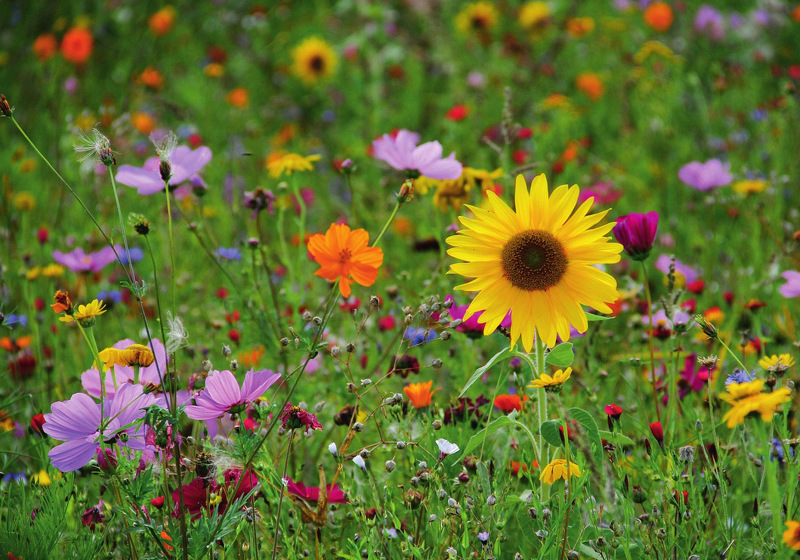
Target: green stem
(544, 452)
(280, 499)
(650, 340)
(735, 357)
(387, 224)
(171, 244)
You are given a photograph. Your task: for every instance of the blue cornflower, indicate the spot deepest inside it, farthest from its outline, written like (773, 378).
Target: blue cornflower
(740, 376)
(231, 254)
(419, 335)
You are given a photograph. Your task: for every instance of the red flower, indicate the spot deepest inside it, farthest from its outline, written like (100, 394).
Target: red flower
(728, 297)
(457, 113)
(697, 286)
(753, 304)
(234, 336)
(222, 292)
(157, 502)
(335, 494)
(658, 432)
(37, 422)
(387, 323)
(508, 403)
(614, 412)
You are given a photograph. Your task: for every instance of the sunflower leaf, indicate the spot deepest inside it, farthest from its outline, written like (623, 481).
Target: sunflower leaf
(585, 419)
(591, 317)
(561, 355)
(484, 368)
(550, 433)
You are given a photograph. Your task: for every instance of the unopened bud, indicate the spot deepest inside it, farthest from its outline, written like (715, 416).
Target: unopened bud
(406, 192)
(5, 108)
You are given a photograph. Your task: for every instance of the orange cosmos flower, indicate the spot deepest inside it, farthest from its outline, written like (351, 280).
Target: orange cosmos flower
(45, 46)
(343, 254)
(239, 98)
(419, 394)
(658, 16)
(151, 78)
(143, 122)
(77, 45)
(162, 21)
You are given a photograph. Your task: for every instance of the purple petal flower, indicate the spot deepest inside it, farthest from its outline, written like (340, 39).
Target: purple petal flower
(403, 153)
(689, 274)
(636, 232)
(222, 393)
(81, 261)
(792, 287)
(77, 423)
(709, 20)
(185, 164)
(706, 176)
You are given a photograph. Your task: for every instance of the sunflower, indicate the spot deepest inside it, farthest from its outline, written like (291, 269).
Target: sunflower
(551, 383)
(559, 468)
(478, 17)
(314, 60)
(342, 254)
(285, 164)
(536, 262)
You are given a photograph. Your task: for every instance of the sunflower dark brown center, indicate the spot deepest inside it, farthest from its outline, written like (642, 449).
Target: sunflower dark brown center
(317, 64)
(534, 260)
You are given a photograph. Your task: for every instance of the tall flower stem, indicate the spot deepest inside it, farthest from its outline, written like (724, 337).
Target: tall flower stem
(131, 274)
(541, 401)
(650, 339)
(171, 244)
(280, 499)
(387, 224)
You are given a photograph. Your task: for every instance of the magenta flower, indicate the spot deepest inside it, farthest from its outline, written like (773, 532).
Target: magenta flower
(223, 396)
(636, 232)
(335, 494)
(402, 152)
(472, 327)
(706, 176)
(77, 423)
(81, 261)
(294, 417)
(792, 287)
(185, 164)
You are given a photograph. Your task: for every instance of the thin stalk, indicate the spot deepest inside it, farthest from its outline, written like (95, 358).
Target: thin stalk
(650, 340)
(280, 499)
(171, 244)
(544, 452)
(387, 224)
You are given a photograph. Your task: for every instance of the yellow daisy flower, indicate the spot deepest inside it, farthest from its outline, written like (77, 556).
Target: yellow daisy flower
(314, 60)
(287, 163)
(559, 469)
(538, 262)
(133, 355)
(534, 15)
(552, 383)
(53, 270)
(478, 16)
(747, 398)
(776, 363)
(85, 314)
(753, 186)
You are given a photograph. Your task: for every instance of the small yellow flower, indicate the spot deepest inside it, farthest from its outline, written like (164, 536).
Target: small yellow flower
(214, 70)
(552, 383)
(85, 314)
(747, 398)
(41, 478)
(287, 163)
(33, 273)
(24, 202)
(559, 469)
(654, 48)
(477, 17)
(314, 60)
(580, 26)
(133, 355)
(534, 15)
(753, 186)
(776, 363)
(52, 270)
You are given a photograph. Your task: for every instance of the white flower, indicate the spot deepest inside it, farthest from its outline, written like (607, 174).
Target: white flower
(446, 448)
(334, 451)
(359, 461)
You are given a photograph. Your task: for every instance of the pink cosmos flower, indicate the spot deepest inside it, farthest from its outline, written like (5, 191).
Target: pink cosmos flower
(77, 423)
(706, 176)
(792, 287)
(335, 494)
(222, 393)
(81, 261)
(402, 152)
(185, 165)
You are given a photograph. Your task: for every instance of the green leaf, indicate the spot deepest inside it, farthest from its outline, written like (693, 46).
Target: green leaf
(561, 355)
(591, 317)
(585, 419)
(495, 425)
(550, 433)
(618, 438)
(484, 368)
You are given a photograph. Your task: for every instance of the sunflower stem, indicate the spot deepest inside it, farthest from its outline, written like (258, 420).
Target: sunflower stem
(650, 340)
(541, 399)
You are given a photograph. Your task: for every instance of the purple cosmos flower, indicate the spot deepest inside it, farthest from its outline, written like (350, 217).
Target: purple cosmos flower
(402, 152)
(636, 232)
(706, 176)
(222, 393)
(688, 273)
(792, 287)
(185, 164)
(77, 423)
(81, 261)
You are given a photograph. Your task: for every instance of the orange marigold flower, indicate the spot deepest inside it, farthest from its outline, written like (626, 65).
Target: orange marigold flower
(151, 78)
(508, 403)
(419, 394)
(239, 98)
(77, 45)
(343, 254)
(658, 16)
(62, 302)
(591, 85)
(162, 21)
(45, 46)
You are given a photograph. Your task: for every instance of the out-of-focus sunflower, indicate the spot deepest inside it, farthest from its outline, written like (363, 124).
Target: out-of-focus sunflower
(314, 60)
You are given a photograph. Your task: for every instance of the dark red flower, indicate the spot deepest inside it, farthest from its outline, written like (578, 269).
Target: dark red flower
(614, 412)
(93, 516)
(387, 323)
(637, 232)
(658, 432)
(37, 422)
(157, 502)
(697, 286)
(311, 494)
(294, 417)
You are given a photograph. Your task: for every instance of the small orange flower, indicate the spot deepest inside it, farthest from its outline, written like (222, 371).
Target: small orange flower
(658, 16)
(162, 21)
(591, 85)
(11, 344)
(580, 26)
(250, 358)
(508, 403)
(77, 45)
(239, 98)
(143, 122)
(45, 46)
(796, 14)
(151, 78)
(342, 254)
(166, 537)
(419, 394)
(62, 302)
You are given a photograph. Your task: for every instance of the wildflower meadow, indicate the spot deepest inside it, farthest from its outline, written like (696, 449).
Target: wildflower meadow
(355, 279)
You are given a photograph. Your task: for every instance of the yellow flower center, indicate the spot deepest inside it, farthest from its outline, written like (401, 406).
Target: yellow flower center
(534, 260)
